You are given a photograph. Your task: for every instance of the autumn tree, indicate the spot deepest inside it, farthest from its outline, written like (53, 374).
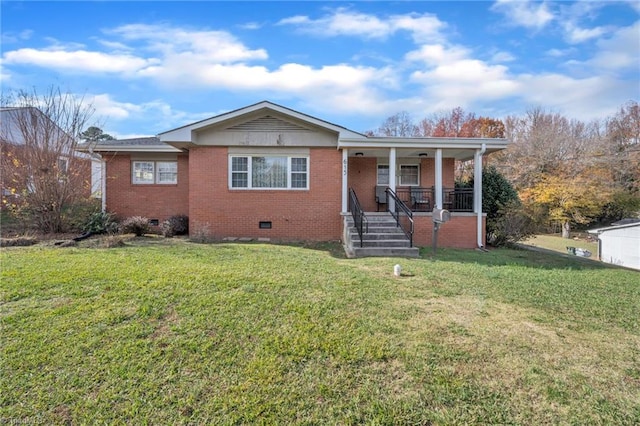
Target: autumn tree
(578, 200)
(42, 175)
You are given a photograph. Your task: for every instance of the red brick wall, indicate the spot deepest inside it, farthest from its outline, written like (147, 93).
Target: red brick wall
(363, 175)
(217, 212)
(428, 172)
(459, 232)
(151, 201)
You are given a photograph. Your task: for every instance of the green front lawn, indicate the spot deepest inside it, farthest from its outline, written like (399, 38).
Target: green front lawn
(559, 244)
(171, 332)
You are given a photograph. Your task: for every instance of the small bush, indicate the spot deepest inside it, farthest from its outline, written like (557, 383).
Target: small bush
(135, 225)
(101, 223)
(77, 215)
(175, 225)
(514, 223)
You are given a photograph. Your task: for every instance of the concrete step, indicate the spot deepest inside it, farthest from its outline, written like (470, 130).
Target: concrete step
(385, 252)
(378, 236)
(382, 243)
(384, 238)
(378, 231)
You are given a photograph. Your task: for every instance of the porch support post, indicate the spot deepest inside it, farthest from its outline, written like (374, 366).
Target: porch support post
(345, 178)
(477, 191)
(392, 176)
(438, 178)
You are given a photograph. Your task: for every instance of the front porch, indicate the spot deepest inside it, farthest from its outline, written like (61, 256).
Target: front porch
(413, 177)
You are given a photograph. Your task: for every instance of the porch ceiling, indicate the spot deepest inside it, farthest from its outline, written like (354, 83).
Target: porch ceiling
(456, 153)
(458, 148)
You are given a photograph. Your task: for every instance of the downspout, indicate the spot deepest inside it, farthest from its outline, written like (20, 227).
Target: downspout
(477, 179)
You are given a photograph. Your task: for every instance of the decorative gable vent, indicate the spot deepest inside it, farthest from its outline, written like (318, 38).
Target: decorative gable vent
(268, 124)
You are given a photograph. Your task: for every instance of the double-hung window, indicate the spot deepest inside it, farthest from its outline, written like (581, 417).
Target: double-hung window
(155, 172)
(408, 174)
(268, 172)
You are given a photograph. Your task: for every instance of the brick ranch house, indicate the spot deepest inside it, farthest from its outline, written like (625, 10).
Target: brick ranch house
(267, 171)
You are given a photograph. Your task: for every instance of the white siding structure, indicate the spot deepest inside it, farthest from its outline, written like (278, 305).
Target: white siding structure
(619, 245)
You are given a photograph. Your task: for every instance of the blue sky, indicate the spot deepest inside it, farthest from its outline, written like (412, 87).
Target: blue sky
(151, 66)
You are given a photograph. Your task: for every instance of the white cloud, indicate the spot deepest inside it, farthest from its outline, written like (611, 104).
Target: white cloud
(344, 22)
(527, 14)
(558, 53)
(211, 46)
(107, 108)
(503, 57)
(619, 52)
(157, 115)
(585, 99)
(78, 60)
(574, 34)
(451, 76)
(250, 26)
(13, 37)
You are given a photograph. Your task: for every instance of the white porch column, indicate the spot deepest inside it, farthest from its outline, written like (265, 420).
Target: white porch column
(392, 168)
(438, 178)
(477, 191)
(392, 177)
(345, 178)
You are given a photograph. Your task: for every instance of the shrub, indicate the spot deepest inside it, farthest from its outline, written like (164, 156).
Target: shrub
(175, 225)
(76, 215)
(135, 225)
(513, 223)
(101, 223)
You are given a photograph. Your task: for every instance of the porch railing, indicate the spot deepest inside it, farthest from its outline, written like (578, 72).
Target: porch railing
(359, 218)
(401, 213)
(420, 199)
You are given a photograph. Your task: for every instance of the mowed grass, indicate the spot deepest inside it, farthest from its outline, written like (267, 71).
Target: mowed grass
(181, 333)
(559, 244)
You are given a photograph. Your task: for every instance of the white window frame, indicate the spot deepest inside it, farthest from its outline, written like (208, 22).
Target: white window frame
(155, 178)
(401, 175)
(378, 182)
(173, 170)
(399, 181)
(249, 172)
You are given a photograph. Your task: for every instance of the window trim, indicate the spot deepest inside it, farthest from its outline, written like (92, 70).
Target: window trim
(156, 174)
(399, 174)
(417, 183)
(249, 172)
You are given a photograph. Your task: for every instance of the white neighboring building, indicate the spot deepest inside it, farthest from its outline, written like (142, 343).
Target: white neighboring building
(619, 244)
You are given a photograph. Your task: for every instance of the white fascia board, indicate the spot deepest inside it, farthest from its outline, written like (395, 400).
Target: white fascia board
(611, 228)
(184, 134)
(136, 148)
(433, 143)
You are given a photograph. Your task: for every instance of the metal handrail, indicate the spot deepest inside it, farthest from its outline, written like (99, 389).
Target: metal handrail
(422, 199)
(359, 218)
(399, 209)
